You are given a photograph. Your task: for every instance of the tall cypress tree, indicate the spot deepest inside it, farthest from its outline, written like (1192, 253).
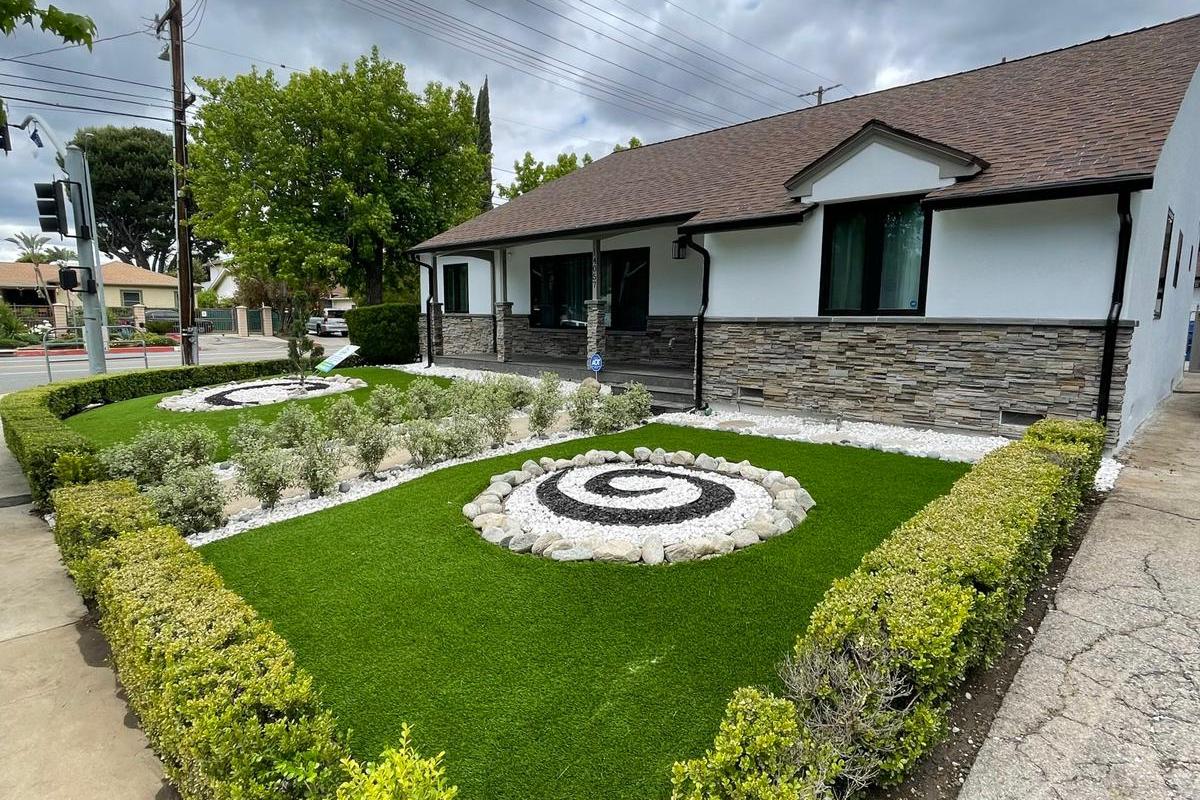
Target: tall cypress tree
(483, 141)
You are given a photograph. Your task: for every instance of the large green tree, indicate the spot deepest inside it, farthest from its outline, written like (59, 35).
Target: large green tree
(531, 173)
(331, 176)
(71, 28)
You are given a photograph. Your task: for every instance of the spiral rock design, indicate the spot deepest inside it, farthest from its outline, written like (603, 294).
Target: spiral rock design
(713, 497)
(229, 397)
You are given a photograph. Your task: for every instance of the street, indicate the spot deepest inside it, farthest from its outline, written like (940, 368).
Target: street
(19, 372)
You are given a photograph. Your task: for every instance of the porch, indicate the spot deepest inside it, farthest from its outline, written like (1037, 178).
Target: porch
(671, 387)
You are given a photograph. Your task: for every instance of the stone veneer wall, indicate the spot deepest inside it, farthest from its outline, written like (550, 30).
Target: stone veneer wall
(944, 373)
(667, 341)
(466, 333)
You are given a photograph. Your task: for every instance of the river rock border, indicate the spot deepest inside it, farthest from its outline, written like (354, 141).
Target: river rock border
(269, 392)
(790, 504)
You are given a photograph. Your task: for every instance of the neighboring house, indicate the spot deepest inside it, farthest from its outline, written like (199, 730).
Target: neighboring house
(225, 284)
(125, 285)
(974, 251)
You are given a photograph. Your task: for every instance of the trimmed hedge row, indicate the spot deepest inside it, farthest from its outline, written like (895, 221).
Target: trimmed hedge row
(217, 691)
(32, 418)
(385, 334)
(935, 600)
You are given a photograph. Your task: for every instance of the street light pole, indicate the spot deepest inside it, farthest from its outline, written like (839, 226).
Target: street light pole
(183, 232)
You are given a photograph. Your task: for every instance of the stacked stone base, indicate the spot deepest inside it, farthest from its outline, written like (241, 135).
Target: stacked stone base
(929, 373)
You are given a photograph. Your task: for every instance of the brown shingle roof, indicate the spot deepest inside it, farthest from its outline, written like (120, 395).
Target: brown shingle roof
(1094, 111)
(19, 275)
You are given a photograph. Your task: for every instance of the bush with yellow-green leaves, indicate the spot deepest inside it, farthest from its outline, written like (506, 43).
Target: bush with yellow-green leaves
(933, 601)
(217, 691)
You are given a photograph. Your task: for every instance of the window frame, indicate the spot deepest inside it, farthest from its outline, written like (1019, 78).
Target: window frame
(873, 268)
(1161, 294)
(605, 265)
(464, 268)
(139, 294)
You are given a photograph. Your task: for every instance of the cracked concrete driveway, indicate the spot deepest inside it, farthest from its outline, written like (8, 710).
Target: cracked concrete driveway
(1107, 702)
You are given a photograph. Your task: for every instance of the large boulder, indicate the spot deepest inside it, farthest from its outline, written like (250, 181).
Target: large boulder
(652, 549)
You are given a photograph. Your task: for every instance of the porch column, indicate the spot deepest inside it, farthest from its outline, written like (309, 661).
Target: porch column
(595, 307)
(435, 311)
(504, 331)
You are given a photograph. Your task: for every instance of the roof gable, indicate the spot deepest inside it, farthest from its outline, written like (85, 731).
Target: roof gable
(878, 138)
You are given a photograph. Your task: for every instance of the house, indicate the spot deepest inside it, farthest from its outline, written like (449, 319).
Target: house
(125, 285)
(224, 282)
(974, 251)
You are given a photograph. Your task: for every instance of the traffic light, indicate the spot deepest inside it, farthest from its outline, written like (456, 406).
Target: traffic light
(5, 138)
(52, 207)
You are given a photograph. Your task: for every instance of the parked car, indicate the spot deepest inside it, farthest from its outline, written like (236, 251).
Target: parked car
(327, 326)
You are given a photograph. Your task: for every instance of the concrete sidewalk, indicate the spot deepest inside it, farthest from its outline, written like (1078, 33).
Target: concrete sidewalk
(1107, 702)
(65, 730)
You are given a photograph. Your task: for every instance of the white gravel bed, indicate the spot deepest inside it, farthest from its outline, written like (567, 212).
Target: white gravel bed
(356, 490)
(258, 392)
(961, 447)
(478, 375)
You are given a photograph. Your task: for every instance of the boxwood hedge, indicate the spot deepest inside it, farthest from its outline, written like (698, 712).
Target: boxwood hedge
(32, 418)
(937, 597)
(385, 334)
(217, 691)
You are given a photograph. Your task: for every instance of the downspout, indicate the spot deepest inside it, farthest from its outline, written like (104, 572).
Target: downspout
(1111, 323)
(698, 393)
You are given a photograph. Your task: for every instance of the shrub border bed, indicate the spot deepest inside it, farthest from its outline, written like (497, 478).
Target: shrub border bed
(934, 600)
(32, 418)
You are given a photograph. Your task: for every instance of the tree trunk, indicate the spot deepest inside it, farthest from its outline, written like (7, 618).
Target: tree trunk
(373, 277)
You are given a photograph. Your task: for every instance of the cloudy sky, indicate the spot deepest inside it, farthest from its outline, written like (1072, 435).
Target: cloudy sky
(565, 75)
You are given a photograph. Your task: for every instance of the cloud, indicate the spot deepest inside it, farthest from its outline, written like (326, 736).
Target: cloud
(554, 78)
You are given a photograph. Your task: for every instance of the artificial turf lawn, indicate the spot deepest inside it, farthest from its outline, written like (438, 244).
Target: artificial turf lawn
(118, 422)
(542, 679)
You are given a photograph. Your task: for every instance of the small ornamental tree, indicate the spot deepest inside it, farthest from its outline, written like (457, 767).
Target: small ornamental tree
(302, 358)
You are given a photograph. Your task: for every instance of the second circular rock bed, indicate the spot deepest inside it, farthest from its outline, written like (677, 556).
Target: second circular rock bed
(650, 506)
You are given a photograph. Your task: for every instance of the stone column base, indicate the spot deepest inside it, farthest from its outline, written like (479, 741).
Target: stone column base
(504, 332)
(595, 325)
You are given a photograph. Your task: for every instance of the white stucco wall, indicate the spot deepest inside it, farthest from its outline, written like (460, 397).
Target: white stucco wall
(878, 170)
(479, 283)
(1156, 357)
(674, 285)
(766, 272)
(1052, 259)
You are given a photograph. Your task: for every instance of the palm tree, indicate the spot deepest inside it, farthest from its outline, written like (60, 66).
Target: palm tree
(59, 255)
(33, 248)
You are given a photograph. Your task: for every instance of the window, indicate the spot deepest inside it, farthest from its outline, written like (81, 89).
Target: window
(131, 297)
(1162, 267)
(454, 279)
(625, 283)
(559, 285)
(1178, 258)
(874, 258)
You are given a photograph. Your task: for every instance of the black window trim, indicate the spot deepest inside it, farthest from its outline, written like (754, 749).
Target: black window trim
(588, 253)
(871, 276)
(466, 279)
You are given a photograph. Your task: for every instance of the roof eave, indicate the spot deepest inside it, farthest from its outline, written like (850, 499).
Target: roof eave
(1050, 191)
(603, 230)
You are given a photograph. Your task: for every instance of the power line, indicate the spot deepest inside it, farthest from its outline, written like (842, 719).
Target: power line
(490, 55)
(79, 44)
(455, 25)
(86, 74)
(775, 82)
(75, 86)
(86, 95)
(641, 75)
(748, 42)
(682, 66)
(66, 107)
(243, 55)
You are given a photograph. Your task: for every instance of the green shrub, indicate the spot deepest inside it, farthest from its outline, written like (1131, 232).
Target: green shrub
(72, 468)
(582, 405)
(250, 433)
(752, 757)
(87, 514)
(341, 416)
(317, 465)
(146, 458)
(424, 399)
(217, 691)
(371, 440)
(401, 774)
(621, 410)
(463, 435)
(265, 474)
(518, 390)
(930, 603)
(190, 498)
(385, 334)
(424, 440)
(295, 426)
(32, 418)
(547, 400)
(387, 404)
(459, 397)
(495, 412)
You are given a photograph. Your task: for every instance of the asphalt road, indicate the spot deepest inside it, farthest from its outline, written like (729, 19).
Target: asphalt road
(24, 371)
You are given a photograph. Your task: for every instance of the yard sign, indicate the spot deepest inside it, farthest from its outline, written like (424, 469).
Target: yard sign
(341, 355)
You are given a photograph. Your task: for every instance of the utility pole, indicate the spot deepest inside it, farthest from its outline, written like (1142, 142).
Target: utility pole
(183, 232)
(820, 91)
